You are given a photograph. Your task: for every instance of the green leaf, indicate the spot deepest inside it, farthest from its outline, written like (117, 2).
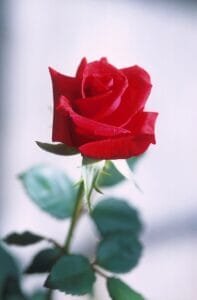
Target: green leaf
(15, 297)
(119, 253)
(114, 215)
(9, 278)
(39, 295)
(90, 172)
(12, 290)
(126, 171)
(118, 290)
(59, 149)
(8, 268)
(22, 239)
(72, 274)
(43, 261)
(51, 190)
(109, 175)
(134, 161)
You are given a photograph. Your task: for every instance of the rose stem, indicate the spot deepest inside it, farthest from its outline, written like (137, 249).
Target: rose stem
(75, 217)
(101, 273)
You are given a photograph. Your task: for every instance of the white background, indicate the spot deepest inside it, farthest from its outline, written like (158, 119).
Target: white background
(162, 38)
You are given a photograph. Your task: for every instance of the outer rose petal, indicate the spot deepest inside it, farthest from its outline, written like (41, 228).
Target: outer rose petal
(64, 85)
(122, 147)
(139, 86)
(70, 87)
(84, 129)
(101, 106)
(61, 130)
(134, 98)
(143, 123)
(81, 68)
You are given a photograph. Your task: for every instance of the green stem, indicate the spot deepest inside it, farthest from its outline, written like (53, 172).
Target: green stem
(75, 217)
(52, 241)
(99, 271)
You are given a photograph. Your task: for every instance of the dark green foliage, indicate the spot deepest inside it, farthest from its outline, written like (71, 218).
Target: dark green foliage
(39, 296)
(119, 253)
(9, 278)
(113, 215)
(59, 149)
(8, 268)
(71, 274)
(25, 238)
(12, 290)
(118, 290)
(43, 261)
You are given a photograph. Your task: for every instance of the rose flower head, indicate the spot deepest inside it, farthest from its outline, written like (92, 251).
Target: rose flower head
(100, 111)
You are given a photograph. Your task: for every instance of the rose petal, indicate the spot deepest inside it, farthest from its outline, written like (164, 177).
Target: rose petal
(81, 68)
(134, 98)
(104, 59)
(61, 129)
(64, 85)
(95, 86)
(68, 86)
(117, 148)
(84, 129)
(100, 106)
(142, 123)
(130, 72)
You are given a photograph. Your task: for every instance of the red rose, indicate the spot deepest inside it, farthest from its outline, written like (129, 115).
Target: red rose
(100, 111)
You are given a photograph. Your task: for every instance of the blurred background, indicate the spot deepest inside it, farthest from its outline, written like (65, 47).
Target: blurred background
(160, 36)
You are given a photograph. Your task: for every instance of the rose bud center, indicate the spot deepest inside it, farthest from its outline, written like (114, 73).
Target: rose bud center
(96, 85)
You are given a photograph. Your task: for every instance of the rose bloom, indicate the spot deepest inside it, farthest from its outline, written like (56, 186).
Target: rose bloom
(100, 111)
